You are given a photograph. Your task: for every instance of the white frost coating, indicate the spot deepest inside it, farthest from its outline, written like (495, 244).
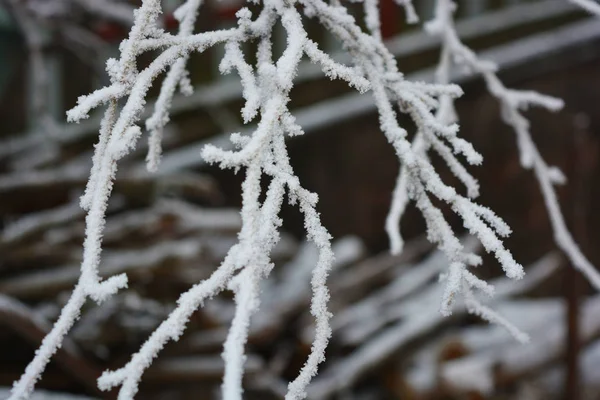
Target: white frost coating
(263, 154)
(371, 8)
(409, 9)
(417, 180)
(400, 321)
(488, 352)
(186, 15)
(512, 102)
(245, 286)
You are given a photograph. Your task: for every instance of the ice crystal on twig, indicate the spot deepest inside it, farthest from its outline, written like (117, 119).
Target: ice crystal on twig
(269, 178)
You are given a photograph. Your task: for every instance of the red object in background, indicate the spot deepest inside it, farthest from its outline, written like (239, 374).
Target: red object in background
(114, 32)
(389, 16)
(110, 31)
(226, 9)
(170, 22)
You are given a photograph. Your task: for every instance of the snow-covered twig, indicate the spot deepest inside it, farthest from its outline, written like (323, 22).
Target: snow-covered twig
(269, 177)
(409, 9)
(177, 76)
(417, 181)
(476, 372)
(399, 323)
(512, 103)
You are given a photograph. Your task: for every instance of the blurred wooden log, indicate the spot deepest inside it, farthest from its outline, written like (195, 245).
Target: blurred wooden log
(413, 319)
(488, 370)
(374, 271)
(134, 262)
(25, 192)
(195, 368)
(31, 327)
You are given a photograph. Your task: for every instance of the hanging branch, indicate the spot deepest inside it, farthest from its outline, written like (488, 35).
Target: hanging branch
(264, 158)
(512, 102)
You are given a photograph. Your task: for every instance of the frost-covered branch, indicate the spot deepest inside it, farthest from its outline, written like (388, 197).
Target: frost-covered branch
(513, 102)
(417, 181)
(476, 371)
(177, 76)
(409, 9)
(269, 177)
(393, 317)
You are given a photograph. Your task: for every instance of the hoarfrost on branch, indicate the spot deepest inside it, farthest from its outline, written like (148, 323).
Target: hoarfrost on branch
(264, 158)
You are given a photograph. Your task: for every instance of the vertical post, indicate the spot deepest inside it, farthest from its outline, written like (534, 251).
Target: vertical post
(55, 86)
(572, 346)
(474, 8)
(585, 159)
(38, 77)
(425, 9)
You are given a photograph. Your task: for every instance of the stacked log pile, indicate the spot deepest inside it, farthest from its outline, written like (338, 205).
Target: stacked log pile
(167, 233)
